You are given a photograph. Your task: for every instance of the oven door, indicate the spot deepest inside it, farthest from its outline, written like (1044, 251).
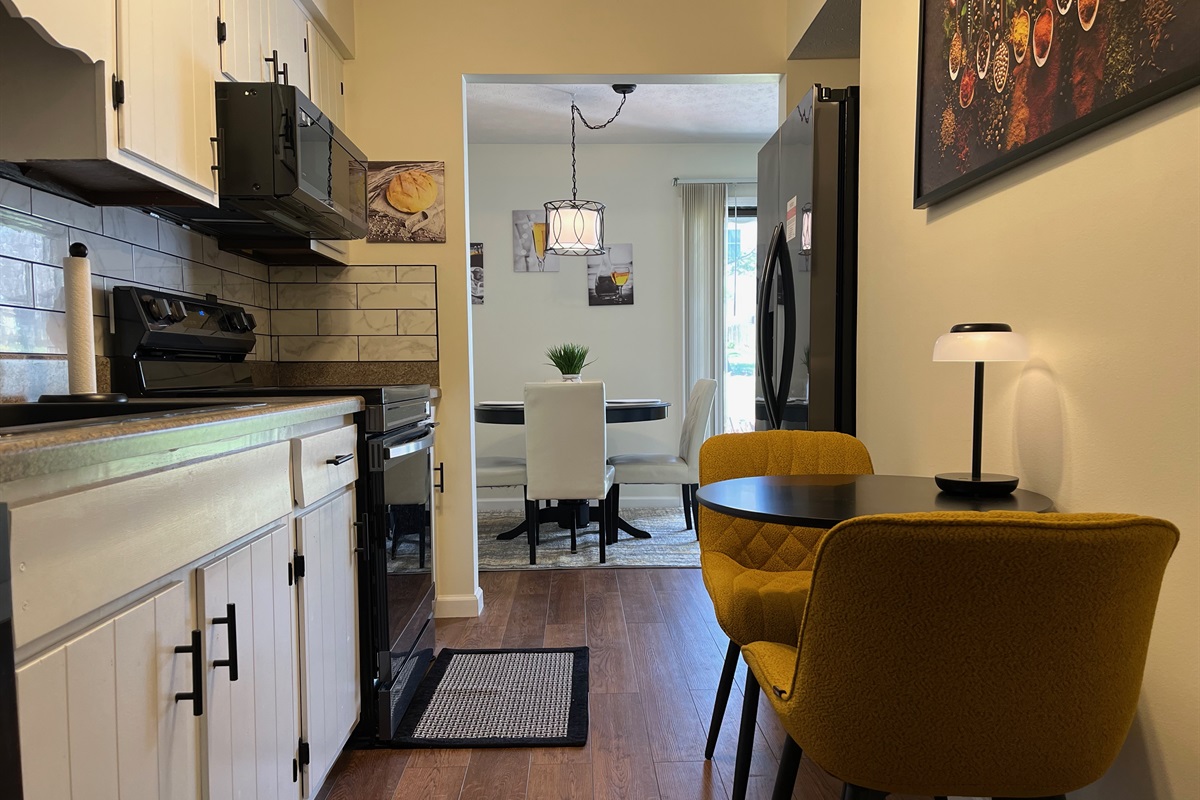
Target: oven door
(401, 556)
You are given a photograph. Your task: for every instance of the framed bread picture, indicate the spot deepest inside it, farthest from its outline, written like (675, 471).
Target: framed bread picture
(406, 201)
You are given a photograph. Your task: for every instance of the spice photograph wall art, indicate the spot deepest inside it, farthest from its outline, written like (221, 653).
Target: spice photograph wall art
(1001, 81)
(406, 201)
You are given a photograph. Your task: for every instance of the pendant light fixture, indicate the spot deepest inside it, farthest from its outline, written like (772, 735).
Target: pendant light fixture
(576, 227)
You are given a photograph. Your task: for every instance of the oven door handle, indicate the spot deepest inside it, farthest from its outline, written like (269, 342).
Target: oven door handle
(409, 447)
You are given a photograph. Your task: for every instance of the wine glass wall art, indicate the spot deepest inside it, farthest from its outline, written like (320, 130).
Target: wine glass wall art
(1002, 81)
(529, 243)
(610, 276)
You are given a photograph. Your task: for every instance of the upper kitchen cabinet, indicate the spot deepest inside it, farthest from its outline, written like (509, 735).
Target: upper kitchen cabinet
(166, 68)
(244, 38)
(289, 35)
(325, 76)
(133, 114)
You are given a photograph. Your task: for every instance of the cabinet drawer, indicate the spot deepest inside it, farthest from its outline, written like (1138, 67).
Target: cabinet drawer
(74, 553)
(320, 465)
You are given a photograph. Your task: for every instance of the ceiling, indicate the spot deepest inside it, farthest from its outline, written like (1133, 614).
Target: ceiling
(656, 113)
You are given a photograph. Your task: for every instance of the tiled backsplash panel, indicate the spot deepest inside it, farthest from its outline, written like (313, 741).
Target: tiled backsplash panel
(363, 313)
(125, 246)
(317, 319)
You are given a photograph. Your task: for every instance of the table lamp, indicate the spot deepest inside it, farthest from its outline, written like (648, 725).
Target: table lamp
(979, 342)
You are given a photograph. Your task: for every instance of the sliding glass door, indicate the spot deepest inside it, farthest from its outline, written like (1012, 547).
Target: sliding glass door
(738, 285)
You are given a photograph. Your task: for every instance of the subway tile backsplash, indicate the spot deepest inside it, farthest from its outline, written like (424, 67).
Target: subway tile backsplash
(369, 313)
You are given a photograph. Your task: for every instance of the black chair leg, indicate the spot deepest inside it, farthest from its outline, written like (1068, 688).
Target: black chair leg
(852, 792)
(789, 765)
(687, 506)
(615, 494)
(723, 688)
(695, 504)
(745, 745)
(602, 520)
(605, 522)
(531, 526)
(574, 529)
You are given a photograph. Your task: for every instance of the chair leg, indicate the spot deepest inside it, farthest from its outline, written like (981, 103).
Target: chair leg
(852, 792)
(692, 488)
(602, 534)
(723, 687)
(574, 528)
(789, 765)
(531, 526)
(745, 745)
(685, 490)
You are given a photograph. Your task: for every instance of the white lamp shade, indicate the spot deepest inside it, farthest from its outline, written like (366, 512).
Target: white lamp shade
(575, 228)
(981, 345)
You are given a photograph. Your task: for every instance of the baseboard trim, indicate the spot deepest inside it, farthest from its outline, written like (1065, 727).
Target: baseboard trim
(459, 605)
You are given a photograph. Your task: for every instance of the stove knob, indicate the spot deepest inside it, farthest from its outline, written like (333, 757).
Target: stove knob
(159, 307)
(178, 310)
(251, 324)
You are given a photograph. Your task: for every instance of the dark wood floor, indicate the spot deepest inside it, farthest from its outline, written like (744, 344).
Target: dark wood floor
(656, 654)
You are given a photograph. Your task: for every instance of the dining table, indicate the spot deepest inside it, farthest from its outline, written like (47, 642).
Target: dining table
(616, 410)
(822, 501)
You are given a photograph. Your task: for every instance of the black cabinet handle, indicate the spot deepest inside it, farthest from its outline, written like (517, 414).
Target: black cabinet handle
(337, 461)
(229, 619)
(196, 695)
(285, 75)
(440, 469)
(275, 70)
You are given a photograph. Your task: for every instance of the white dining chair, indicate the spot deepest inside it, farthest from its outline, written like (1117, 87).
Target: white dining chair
(566, 454)
(684, 468)
(496, 472)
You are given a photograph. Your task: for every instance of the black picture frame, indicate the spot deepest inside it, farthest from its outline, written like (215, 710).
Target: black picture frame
(1173, 67)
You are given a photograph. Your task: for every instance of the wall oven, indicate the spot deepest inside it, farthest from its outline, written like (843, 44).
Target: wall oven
(177, 346)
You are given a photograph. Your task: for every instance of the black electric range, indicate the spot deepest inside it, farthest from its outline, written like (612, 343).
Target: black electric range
(173, 345)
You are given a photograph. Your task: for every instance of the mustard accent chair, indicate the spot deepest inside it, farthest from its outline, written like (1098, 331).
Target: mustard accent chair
(757, 573)
(994, 654)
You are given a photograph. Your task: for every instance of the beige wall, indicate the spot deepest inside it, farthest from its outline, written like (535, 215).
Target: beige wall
(405, 101)
(1091, 251)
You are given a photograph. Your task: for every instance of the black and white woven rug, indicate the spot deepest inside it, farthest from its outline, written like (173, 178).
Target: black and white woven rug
(500, 698)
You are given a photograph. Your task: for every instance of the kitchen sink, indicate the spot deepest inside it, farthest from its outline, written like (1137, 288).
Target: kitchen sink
(16, 418)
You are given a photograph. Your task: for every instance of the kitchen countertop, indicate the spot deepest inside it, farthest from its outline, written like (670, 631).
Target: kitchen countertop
(71, 446)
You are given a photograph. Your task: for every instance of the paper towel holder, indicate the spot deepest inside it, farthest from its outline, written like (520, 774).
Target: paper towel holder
(78, 250)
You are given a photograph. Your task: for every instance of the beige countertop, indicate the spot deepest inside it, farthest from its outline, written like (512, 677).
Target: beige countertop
(188, 432)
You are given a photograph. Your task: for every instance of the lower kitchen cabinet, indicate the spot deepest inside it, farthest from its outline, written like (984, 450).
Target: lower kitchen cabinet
(100, 716)
(328, 606)
(249, 729)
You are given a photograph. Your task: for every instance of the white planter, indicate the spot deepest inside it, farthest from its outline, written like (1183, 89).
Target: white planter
(572, 378)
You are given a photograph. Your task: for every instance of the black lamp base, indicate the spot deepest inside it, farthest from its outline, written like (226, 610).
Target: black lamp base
(990, 484)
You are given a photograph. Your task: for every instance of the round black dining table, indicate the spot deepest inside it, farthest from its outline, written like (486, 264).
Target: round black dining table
(822, 501)
(504, 413)
(514, 413)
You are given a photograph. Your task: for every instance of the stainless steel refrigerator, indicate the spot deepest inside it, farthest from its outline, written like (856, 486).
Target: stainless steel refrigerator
(808, 266)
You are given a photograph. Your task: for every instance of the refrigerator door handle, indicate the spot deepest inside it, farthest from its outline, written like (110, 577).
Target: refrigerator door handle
(788, 287)
(766, 331)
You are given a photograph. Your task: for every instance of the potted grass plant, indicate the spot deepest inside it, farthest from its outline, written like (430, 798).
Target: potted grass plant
(569, 359)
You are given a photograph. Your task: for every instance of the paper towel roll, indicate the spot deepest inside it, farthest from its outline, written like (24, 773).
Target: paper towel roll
(81, 346)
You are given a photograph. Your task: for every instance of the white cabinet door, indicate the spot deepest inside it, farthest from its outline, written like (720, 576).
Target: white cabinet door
(328, 592)
(325, 75)
(247, 34)
(249, 730)
(98, 715)
(167, 64)
(289, 31)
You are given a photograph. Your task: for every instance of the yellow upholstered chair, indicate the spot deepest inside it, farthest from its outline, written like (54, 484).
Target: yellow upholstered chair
(993, 654)
(757, 573)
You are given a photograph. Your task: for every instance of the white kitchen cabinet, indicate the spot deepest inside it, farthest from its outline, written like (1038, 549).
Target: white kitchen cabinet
(99, 715)
(289, 33)
(325, 76)
(328, 608)
(249, 728)
(246, 26)
(166, 67)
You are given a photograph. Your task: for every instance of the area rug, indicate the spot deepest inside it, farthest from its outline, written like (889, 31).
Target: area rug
(500, 698)
(670, 545)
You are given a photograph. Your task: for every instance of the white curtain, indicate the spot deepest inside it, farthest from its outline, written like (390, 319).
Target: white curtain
(704, 304)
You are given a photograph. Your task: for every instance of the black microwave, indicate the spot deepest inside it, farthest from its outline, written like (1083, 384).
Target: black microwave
(283, 161)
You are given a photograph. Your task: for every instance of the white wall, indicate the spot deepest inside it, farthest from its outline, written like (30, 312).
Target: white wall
(638, 349)
(1093, 253)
